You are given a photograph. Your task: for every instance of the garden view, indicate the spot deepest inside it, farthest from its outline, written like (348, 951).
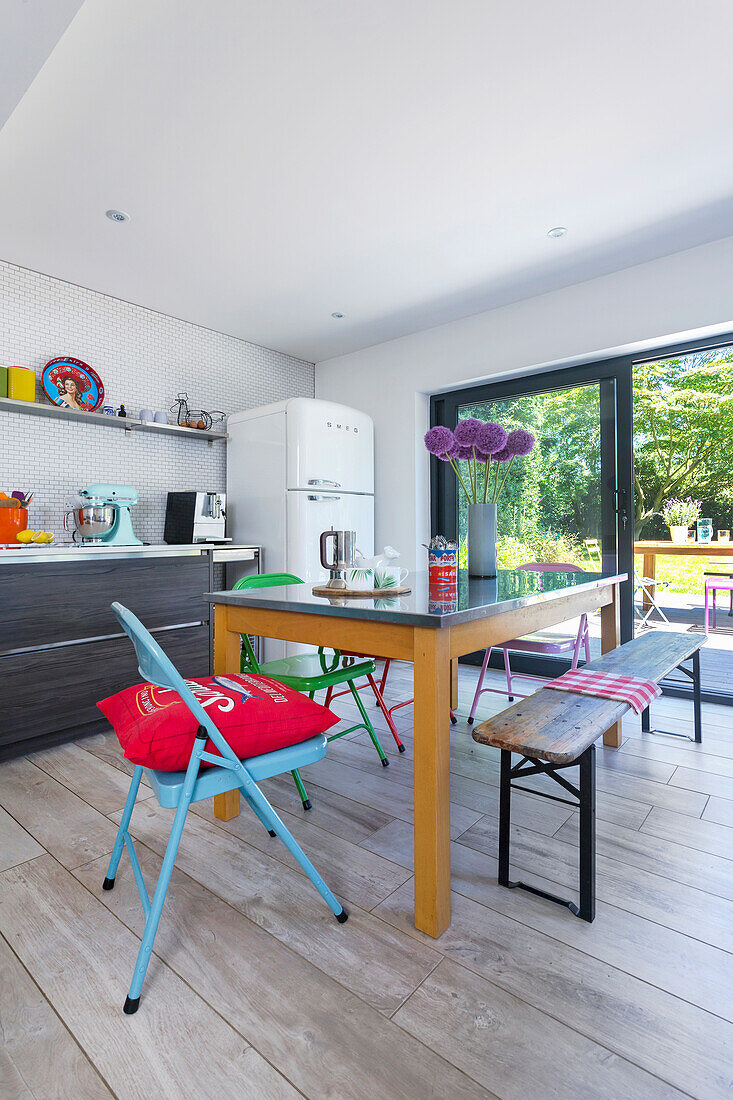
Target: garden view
(683, 443)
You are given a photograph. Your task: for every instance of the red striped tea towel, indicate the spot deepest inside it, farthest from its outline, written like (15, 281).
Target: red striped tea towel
(607, 685)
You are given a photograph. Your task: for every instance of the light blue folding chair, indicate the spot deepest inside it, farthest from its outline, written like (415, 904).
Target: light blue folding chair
(180, 789)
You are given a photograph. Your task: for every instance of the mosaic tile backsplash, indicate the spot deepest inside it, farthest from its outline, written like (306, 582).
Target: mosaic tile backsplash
(144, 359)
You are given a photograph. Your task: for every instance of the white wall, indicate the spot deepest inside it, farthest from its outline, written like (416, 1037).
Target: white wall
(144, 359)
(687, 294)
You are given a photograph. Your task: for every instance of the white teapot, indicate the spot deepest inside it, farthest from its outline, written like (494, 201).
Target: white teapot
(384, 572)
(386, 558)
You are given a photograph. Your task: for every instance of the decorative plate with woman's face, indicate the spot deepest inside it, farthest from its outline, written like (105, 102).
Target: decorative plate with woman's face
(72, 384)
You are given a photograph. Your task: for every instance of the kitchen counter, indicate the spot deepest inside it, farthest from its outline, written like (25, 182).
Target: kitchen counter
(73, 551)
(62, 648)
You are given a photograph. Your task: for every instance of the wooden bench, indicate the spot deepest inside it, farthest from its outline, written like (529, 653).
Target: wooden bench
(553, 730)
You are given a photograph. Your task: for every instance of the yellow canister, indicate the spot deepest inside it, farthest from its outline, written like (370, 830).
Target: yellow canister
(21, 383)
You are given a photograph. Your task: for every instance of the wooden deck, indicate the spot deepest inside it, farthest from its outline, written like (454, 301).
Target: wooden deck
(254, 991)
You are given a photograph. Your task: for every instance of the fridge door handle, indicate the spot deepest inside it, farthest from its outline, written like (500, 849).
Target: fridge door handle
(322, 481)
(320, 496)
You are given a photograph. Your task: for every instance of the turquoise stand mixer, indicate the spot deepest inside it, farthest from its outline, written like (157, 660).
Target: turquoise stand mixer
(103, 516)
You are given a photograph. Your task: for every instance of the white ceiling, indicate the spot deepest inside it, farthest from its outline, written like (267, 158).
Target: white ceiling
(29, 30)
(399, 161)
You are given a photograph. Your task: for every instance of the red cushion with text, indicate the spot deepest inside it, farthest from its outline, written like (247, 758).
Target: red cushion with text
(254, 713)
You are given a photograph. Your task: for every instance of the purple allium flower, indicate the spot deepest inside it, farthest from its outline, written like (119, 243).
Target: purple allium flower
(520, 441)
(505, 455)
(439, 440)
(466, 431)
(491, 438)
(463, 453)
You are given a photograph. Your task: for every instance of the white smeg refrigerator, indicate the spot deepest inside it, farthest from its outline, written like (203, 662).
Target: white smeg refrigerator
(295, 469)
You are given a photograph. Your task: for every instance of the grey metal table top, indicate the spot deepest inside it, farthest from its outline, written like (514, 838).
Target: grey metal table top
(476, 597)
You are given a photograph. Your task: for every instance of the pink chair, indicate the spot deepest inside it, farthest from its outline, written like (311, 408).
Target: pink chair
(535, 643)
(715, 582)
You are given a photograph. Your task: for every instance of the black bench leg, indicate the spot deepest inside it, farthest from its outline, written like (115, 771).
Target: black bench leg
(645, 725)
(505, 813)
(587, 909)
(696, 701)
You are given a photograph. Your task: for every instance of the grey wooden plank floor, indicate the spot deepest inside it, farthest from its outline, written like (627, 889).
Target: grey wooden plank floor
(254, 991)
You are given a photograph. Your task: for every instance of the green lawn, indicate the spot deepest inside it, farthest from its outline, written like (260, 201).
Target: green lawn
(685, 574)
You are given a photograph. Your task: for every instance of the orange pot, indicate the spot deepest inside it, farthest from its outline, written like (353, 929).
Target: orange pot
(12, 520)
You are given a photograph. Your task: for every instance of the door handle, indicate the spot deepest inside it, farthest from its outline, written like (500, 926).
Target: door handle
(622, 508)
(320, 496)
(322, 481)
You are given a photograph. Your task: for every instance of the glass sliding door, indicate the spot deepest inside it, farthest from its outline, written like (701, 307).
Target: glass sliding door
(564, 503)
(616, 441)
(683, 468)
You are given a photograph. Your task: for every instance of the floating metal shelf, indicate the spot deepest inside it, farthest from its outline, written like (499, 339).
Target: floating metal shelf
(128, 423)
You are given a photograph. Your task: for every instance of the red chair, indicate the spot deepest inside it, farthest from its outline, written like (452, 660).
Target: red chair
(377, 690)
(405, 703)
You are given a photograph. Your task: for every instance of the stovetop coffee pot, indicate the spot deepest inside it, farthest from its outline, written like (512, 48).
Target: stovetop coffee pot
(344, 555)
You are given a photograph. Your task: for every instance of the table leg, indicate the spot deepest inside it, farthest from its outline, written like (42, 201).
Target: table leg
(227, 647)
(432, 779)
(610, 639)
(649, 570)
(454, 684)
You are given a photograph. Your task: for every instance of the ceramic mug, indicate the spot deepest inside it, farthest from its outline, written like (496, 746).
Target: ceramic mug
(147, 415)
(360, 580)
(161, 417)
(389, 576)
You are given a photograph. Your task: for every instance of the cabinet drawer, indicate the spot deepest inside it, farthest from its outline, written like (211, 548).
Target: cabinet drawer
(42, 604)
(57, 689)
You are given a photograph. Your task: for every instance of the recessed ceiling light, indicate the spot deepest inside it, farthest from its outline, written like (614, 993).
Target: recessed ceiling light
(338, 316)
(118, 216)
(558, 231)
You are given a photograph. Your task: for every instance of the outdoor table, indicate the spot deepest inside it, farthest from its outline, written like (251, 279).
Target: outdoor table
(432, 634)
(650, 550)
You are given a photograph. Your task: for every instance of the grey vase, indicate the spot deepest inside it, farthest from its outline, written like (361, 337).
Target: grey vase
(482, 540)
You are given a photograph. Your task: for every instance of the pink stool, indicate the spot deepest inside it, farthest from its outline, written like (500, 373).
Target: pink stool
(713, 584)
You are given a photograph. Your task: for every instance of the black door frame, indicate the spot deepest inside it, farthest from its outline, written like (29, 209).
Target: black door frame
(615, 377)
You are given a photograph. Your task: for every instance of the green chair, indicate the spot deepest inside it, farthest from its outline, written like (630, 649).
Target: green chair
(310, 672)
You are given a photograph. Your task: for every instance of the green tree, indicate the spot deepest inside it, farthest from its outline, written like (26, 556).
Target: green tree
(683, 431)
(557, 487)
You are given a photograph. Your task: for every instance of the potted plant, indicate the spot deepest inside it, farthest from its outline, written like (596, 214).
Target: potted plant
(680, 515)
(481, 445)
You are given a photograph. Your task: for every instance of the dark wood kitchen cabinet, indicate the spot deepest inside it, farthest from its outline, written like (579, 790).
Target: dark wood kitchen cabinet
(55, 603)
(62, 649)
(54, 693)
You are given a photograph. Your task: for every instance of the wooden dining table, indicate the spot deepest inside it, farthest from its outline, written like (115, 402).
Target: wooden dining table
(431, 631)
(650, 550)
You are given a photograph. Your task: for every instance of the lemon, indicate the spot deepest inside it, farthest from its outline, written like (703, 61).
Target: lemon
(25, 536)
(48, 536)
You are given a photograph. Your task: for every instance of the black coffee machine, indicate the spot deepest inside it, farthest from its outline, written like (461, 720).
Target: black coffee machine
(195, 517)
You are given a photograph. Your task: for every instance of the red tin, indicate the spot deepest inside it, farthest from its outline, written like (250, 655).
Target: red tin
(442, 568)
